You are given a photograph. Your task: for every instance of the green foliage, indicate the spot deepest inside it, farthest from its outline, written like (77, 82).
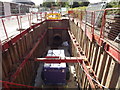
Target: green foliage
(113, 4)
(49, 4)
(78, 4)
(63, 4)
(83, 3)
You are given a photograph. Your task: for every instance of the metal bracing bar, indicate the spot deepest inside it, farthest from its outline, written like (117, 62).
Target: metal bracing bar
(61, 59)
(6, 86)
(6, 83)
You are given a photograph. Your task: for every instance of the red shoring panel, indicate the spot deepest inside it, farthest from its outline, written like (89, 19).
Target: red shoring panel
(115, 53)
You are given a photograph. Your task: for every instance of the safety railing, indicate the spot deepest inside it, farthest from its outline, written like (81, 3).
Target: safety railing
(103, 29)
(112, 28)
(104, 23)
(12, 25)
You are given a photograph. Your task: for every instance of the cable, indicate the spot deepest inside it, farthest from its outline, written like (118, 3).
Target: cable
(91, 77)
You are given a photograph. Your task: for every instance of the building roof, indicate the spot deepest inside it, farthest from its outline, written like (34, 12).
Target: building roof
(24, 2)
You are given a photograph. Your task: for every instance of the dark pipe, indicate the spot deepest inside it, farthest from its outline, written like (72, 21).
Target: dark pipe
(57, 40)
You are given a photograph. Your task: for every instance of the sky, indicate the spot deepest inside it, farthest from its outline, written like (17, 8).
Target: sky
(38, 2)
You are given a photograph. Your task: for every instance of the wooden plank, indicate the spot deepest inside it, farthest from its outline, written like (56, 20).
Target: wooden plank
(86, 85)
(21, 47)
(76, 30)
(21, 77)
(18, 49)
(106, 69)
(81, 37)
(83, 80)
(24, 43)
(26, 70)
(81, 74)
(17, 80)
(78, 36)
(5, 70)
(94, 56)
(118, 84)
(2, 73)
(91, 53)
(24, 75)
(97, 60)
(6, 62)
(30, 37)
(34, 34)
(16, 53)
(93, 49)
(83, 41)
(29, 71)
(89, 50)
(101, 66)
(113, 74)
(87, 47)
(12, 54)
(85, 44)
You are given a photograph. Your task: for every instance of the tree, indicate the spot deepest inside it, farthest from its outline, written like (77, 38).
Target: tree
(46, 4)
(49, 4)
(84, 3)
(75, 4)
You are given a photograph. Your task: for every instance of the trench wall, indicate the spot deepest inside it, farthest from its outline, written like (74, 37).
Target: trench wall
(105, 67)
(18, 60)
